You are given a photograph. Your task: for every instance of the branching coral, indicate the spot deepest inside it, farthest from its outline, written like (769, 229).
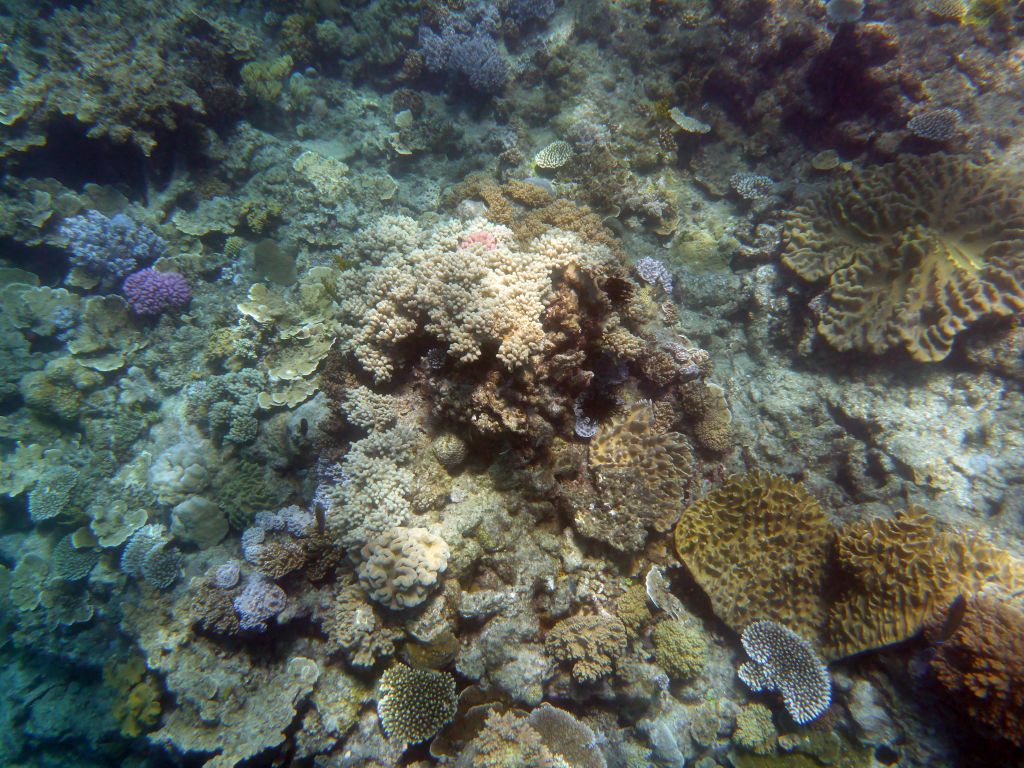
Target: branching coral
(781, 660)
(591, 643)
(414, 704)
(757, 545)
(913, 253)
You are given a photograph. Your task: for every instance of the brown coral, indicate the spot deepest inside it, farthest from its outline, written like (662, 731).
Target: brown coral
(981, 665)
(757, 545)
(591, 643)
(900, 572)
(355, 626)
(913, 252)
(642, 476)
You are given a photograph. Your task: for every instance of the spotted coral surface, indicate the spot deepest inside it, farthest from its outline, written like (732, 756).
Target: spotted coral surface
(414, 704)
(757, 545)
(912, 253)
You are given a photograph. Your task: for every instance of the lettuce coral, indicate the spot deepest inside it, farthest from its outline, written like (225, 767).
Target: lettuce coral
(913, 253)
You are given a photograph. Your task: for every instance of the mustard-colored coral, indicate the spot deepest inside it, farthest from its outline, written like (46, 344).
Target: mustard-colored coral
(138, 708)
(642, 476)
(900, 572)
(680, 648)
(757, 545)
(913, 253)
(981, 666)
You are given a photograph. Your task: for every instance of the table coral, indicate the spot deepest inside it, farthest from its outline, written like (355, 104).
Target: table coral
(781, 660)
(757, 545)
(981, 666)
(913, 253)
(591, 643)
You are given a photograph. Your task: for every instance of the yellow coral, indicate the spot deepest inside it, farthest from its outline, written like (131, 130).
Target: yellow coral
(138, 708)
(757, 545)
(913, 253)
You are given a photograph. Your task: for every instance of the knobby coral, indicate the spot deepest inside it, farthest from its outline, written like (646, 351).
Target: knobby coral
(913, 253)
(591, 643)
(414, 704)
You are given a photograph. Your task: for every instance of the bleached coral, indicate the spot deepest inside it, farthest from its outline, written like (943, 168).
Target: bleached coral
(470, 285)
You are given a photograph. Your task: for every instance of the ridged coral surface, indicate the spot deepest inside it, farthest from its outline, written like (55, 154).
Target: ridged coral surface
(913, 253)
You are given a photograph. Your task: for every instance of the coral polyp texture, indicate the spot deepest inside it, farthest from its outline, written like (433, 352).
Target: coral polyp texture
(590, 643)
(781, 660)
(758, 544)
(414, 704)
(899, 572)
(642, 476)
(911, 253)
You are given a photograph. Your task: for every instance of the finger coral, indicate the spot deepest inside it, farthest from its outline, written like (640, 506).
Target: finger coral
(912, 252)
(757, 545)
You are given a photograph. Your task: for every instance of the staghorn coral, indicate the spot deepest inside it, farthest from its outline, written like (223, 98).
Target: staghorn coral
(783, 661)
(414, 704)
(899, 572)
(757, 545)
(401, 565)
(913, 253)
(981, 665)
(642, 476)
(590, 643)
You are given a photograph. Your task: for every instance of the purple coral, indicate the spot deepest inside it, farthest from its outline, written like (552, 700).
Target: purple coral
(466, 48)
(150, 292)
(260, 601)
(227, 574)
(110, 247)
(654, 272)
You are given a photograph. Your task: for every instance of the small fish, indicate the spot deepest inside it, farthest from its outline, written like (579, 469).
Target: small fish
(954, 618)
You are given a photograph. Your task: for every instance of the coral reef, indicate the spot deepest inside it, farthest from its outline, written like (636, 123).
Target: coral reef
(400, 566)
(414, 704)
(590, 643)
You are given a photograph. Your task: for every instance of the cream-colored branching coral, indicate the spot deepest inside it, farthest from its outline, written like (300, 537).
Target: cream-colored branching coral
(401, 565)
(912, 253)
(470, 285)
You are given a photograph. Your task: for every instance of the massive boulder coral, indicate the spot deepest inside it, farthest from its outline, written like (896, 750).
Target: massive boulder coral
(401, 565)
(913, 252)
(758, 546)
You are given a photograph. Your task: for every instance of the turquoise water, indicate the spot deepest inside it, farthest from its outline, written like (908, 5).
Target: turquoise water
(529, 383)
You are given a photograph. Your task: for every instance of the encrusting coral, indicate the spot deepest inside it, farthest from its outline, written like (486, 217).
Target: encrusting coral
(757, 544)
(913, 253)
(981, 665)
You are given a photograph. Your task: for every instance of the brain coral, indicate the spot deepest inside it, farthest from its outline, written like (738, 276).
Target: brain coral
(981, 665)
(641, 474)
(901, 571)
(913, 252)
(401, 565)
(757, 545)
